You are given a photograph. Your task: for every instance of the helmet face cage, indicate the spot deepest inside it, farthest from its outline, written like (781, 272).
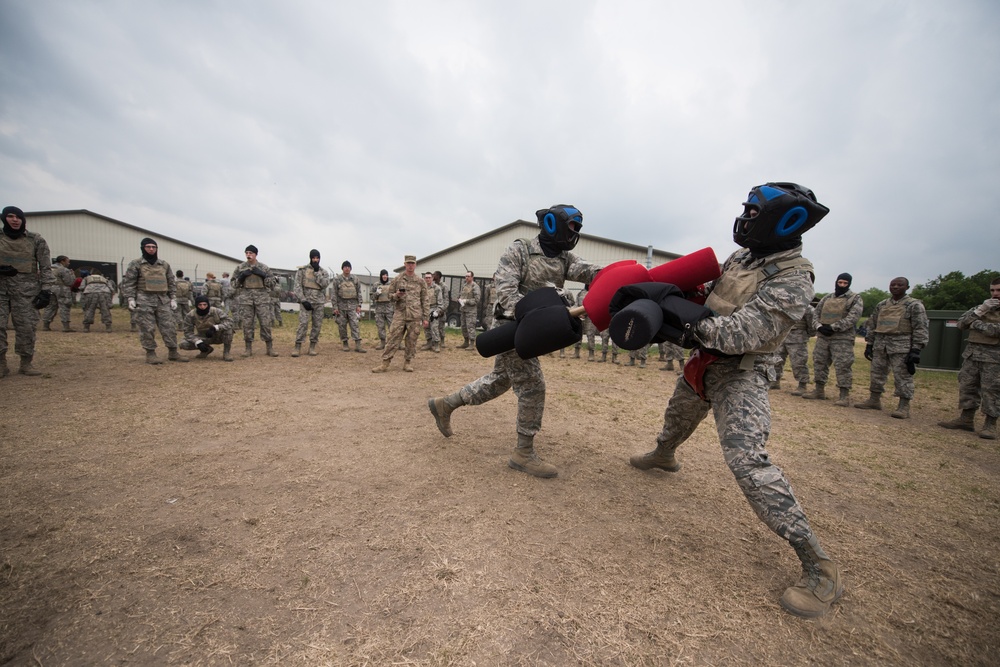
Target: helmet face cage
(561, 224)
(783, 211)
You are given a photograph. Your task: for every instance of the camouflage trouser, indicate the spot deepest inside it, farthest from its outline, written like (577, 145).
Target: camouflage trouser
(383, 319)
(276, 305)
(525, 375)
(836, 351)
(469, 322)
(881, 363)
(672, 351)
(61, 300)
(16, 294)
(183, 307)
(305, 317)
(639, 354)
(402, 329)
(432, 334)
(979, 384)
(799, 354)
(91, 302)
(220, 338)
(739, 402)
(442, 322)
(153, 312)
(348, 316)
(255, 304)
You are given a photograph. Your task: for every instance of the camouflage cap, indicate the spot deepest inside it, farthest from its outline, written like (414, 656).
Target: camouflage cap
(410, 258)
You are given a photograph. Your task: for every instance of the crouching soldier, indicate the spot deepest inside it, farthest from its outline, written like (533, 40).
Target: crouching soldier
(204, 326)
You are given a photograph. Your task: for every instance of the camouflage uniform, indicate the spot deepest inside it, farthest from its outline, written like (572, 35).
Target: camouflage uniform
(432, 334)
(796, 347)
(152, 292)
(254, 298)
(198, 327)
(412, 310)
(228, 295)
(894, 328)
(97, 293)
(442, 321)
(346, 299)
(310, 285)
(524, 268)
(133, 325)
(62, 296)
(979, 378)
(470, 294)
(381, 301)
(215, 291)
(841, 313)
(29, 254)
(490, 297)
(755, 313)
(185, 293)
(672, 353)
(275, 292)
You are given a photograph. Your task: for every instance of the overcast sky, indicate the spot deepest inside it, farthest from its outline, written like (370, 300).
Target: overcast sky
(373, 129)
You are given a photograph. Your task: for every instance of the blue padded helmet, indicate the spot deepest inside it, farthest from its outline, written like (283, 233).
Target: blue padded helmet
(776, 212)
(561, 225)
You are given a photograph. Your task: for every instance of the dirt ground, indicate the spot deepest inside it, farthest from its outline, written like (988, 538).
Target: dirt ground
(307, 512)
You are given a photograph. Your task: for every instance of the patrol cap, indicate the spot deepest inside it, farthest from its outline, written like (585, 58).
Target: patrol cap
(410, 258)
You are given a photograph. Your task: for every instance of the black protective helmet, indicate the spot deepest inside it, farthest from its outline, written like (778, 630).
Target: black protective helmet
(561, 225)
(783, 211)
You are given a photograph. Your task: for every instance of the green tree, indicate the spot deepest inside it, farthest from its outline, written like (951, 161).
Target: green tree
(871, 297)
(955, 291)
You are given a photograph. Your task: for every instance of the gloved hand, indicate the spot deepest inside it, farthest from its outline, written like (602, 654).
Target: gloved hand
(173, 304)
(203, 346)
(869, 351)
(41, 299)
(131, 304)
(378, 291)
(7, 271)
(215, 329)
(257, 271)
(244, 274)
(912, 359)
(305, 304)
(566, 296)
(825, 329)
(981, 309)
(461, 302)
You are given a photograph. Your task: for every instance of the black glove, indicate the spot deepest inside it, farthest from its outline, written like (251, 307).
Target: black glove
(204, 347)
(244, 274)
(912, 359)
(869, 351)
(41, 299)
(257, 271)
(305, 304)
(7, 271)
(826, 330)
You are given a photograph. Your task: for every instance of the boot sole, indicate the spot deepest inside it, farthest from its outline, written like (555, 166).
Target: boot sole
(521, 468)
(806, 614)
(446, 432)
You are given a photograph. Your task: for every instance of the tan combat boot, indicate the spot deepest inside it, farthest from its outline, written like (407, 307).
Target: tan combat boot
(819, 586)
(631, 361)
(442, 408)
(358, 348)
(297, 351)
(874, 402)
(204, 353)
(800, 390)
(174, 355)
(464, 345)
(660, 457)
(425, 347)
(107, 327)
(964, 422)
(66, 327)
(381, 345)
(614, 358)
(819, 393)
(227, 349)
(523, 458)
(248, 352)
(845, 398)
(312, 350)
(576, 353)
(26, 367)
(604, 356)
(347, 347)
(590, 355)
(152, 359)
(269, 349)
(407, 366)
(775, 385)
(989, 431)
(669, 366)
(86, 327)
(902, 410)
(382, 368)
(436, 349)
(46, 326)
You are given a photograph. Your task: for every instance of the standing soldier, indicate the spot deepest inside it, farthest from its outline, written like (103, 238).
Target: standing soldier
(253, 283)
(442, 322)
(26, 282)
(184, 296)
(410, 295)
(672, 352)
(311, 282)
(97, 291)
(468, 299)
(150, 287)
(837, 316)
(897, 330)
(62, 294)
(432, 332)
(796, 347)
(490, 297)
(381, 303)
(275, 292)
(204, 326)
(979, 378)
(213, 289)
(347, 306)
(228, 293)
(640, 354)
(525, 266)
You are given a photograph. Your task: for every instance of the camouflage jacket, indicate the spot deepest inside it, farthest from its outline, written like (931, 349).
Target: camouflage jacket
(337, 287)
(414, 305)
(130, 282)
(196, 326)
(470, 293)
(322, 278)
(239, 284)
(524, 268)
(988, 325)
(850, 305)
(900, 343)
(30, 255)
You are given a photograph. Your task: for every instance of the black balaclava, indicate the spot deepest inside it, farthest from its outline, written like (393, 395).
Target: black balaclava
(10, 231)
(314, 259)
(779, 246)
(201, 298)
(841, 291)
(146, 256)
(383, 276)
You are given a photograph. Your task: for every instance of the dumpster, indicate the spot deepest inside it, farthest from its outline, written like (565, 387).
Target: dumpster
(947, 341)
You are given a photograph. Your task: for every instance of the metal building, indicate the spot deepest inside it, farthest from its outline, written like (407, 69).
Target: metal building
(93, 240)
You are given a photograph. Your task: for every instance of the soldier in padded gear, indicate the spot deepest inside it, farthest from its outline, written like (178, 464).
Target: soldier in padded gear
(526, 265)
(763, 290)
(185, 292)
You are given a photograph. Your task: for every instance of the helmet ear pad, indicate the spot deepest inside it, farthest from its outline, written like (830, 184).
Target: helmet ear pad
(549, 224)
(555, 225)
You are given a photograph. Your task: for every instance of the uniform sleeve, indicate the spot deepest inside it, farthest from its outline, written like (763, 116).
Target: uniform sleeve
(190, 335)
(171, 282)
(580, 270)
(851, 317)
(297, 286)
(130, 283)
(872, 323)
(425, 302)
(921, 325)
(810, 318)
(226, 322)
(512, 262)
(44, 259)
(768, 315)
(322, 278)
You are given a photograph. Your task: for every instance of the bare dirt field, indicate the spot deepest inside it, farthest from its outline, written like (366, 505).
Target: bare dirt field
(307, 512)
